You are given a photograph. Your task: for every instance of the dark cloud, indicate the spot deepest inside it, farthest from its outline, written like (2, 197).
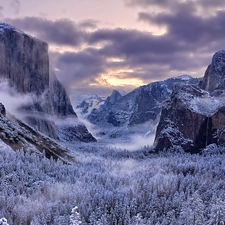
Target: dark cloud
(188, 27)
(147, 3)
(61, 32)
(78, 69)
(132, 43)
(174, 4)
(149, 57)
(187, 46)
(88, 24)
(139, 48)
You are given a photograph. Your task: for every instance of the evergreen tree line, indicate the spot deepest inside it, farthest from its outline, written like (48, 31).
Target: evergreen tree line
(114, 187)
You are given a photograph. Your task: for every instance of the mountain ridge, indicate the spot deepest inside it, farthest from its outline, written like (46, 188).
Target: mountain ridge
(138, 107)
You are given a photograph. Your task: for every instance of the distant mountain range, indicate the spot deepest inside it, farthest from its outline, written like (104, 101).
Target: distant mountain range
(186, 112)
(124, 111)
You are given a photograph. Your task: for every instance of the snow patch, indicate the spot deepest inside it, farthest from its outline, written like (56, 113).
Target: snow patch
(207, 105)
(5, 26)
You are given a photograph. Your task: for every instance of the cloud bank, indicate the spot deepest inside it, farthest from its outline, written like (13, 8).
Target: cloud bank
(97, 60)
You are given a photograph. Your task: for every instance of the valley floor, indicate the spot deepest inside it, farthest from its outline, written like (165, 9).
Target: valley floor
(113, 186)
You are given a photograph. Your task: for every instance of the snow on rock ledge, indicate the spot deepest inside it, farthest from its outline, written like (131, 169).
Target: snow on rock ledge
(194, 117)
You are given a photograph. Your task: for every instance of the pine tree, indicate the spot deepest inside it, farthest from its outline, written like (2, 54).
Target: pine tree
(192, 211)
(217, 214)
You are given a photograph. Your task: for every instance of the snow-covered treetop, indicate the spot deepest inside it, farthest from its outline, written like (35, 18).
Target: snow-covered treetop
(3, 221)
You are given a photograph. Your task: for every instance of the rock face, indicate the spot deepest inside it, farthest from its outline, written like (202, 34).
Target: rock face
(113, 98)
(20, 136)
(24, 63)
(137, 107)
(214, 77)
(59, 99)
(194, 118)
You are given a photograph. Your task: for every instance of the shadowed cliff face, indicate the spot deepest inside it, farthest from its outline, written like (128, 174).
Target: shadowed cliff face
(59, 99)
(214, 77)
(194, 118)
(24, 63)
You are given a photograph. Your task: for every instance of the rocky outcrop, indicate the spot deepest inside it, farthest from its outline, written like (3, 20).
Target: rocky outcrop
(2, 109)
(24, 63)
(194, 118)
(113, 98)
(214, 77)
(20, 136)
(59, 99)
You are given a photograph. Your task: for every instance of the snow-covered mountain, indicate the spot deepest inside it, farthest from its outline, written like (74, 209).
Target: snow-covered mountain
(85, 103)
(194, 116)
(138, 107)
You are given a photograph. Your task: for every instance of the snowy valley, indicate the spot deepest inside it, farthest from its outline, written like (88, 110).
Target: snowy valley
(127, 159)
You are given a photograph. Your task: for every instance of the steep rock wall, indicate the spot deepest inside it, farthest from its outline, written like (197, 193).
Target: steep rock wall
(194, 117)
(24, 63)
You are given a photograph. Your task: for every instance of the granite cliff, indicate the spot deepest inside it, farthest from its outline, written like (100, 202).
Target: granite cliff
(20, 136)
(24, 63)
(194, 117)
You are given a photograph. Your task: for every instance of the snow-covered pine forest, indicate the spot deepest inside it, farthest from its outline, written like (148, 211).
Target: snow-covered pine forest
(113, 186)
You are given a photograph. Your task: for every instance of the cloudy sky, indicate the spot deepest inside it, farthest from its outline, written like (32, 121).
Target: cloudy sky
(99, 45)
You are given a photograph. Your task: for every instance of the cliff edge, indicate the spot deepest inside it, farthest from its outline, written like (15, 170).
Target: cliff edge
(24, 64)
